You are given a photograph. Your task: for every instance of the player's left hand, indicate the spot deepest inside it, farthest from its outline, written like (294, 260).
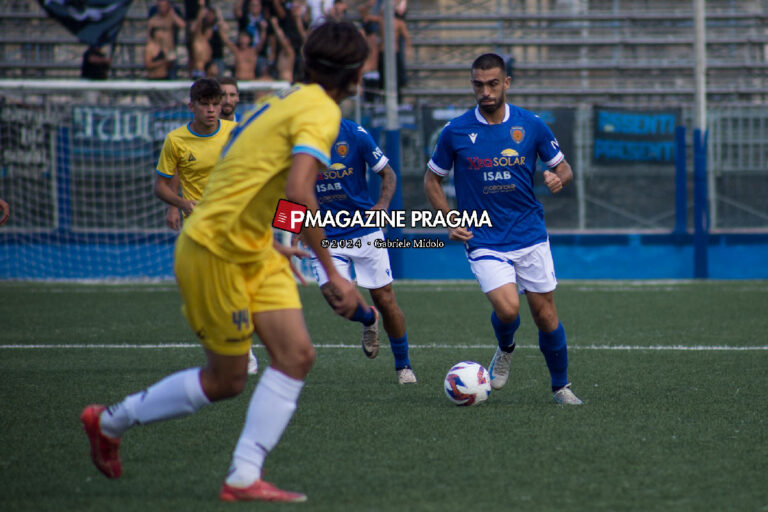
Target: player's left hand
(552, 181)
(289, 253)
(379, 206)
(173, 218)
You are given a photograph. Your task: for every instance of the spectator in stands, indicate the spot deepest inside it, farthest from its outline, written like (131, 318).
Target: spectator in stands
(249, 14)
(286, 56)
(247, 61)
(167, 22)
(369, 14)
(317, 10)
(212, 69)
(337, 12)
(403, 47)
(157, 60)
(201, 32)
(293, 18)
(95, 64)
(6, 212)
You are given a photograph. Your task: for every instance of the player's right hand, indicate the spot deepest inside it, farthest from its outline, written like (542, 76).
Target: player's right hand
(460, 234)
(188, 206)
(342, 295)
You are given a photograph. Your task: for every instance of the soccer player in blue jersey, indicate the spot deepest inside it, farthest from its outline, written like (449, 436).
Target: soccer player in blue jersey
(493, 150)
(342, 187)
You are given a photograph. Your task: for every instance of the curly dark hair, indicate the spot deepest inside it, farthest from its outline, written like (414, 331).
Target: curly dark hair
(205, 89)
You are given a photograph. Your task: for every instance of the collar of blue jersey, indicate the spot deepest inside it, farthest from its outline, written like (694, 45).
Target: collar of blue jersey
(482, 120)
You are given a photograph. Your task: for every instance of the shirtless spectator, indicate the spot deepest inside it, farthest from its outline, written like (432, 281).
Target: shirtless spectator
(157, 61)
(201, 32)
(293, 17)
(167, 23)
(286, 54)
(247, 56)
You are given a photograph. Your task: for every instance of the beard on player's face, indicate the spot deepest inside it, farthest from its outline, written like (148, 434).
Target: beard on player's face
(488, 105)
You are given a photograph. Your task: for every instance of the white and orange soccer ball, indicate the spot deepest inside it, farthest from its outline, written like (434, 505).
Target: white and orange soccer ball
(467, 383)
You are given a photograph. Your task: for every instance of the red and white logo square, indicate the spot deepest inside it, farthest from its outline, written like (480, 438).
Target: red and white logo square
(289, 216)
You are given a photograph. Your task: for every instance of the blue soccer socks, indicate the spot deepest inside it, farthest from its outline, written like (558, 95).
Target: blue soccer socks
(505, 333)
(364, 314)
(400, 351)
(555, 350)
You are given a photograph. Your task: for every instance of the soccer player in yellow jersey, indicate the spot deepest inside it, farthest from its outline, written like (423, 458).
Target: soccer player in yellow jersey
(233, 280)
(189, 154)
(191, 150)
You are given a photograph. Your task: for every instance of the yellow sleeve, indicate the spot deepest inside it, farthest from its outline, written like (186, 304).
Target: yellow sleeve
(315, 129)
(168, 162)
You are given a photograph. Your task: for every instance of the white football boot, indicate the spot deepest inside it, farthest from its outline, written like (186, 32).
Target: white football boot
(564, 396)
(406, 376)
(499, 368)
(370, 338)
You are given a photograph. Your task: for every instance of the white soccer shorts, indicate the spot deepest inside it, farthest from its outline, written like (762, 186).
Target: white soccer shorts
(371, 265)
(531, 268)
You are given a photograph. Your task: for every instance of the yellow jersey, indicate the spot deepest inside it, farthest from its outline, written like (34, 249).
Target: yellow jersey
(192, 156)
(234, 217)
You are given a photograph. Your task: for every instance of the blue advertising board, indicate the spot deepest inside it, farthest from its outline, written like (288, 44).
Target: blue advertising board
(624, 136)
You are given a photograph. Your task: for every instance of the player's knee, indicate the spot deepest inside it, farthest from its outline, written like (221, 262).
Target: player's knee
(296, 362)
(220, 386)
(384, 298)
(507, 314)
(546, 319)
(305, 358)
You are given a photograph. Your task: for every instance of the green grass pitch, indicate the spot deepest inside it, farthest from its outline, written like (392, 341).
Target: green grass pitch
(661, 429)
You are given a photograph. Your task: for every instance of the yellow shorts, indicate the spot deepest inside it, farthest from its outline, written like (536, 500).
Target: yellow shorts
(220, 297)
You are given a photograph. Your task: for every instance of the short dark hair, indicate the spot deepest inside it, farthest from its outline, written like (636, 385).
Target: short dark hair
(228, 80)
(205, 89)
(334, 53)
(489, 61)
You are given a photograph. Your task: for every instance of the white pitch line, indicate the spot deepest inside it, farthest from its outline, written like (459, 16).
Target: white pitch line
(694, 348)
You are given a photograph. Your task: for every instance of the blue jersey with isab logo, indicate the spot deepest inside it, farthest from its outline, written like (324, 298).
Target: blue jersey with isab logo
(342, 186)
(493, 167)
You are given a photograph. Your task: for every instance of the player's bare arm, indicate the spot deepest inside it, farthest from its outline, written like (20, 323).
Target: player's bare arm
(433, 188)
(388, 186)
(300, 188)
(558, 177)
(165, 190)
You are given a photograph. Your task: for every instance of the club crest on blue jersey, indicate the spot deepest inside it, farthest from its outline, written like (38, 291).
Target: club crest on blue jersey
(517, 133)
(342, 148)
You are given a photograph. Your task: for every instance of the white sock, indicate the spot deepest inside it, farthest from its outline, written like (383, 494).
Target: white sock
(271, 408)
(179, 394)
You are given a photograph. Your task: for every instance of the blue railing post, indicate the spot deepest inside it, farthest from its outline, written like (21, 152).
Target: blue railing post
(681, 182)
(700, 206)
(392, 145)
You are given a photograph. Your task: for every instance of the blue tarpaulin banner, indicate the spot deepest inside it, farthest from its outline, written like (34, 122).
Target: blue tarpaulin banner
(624, 136)
(93, 22)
